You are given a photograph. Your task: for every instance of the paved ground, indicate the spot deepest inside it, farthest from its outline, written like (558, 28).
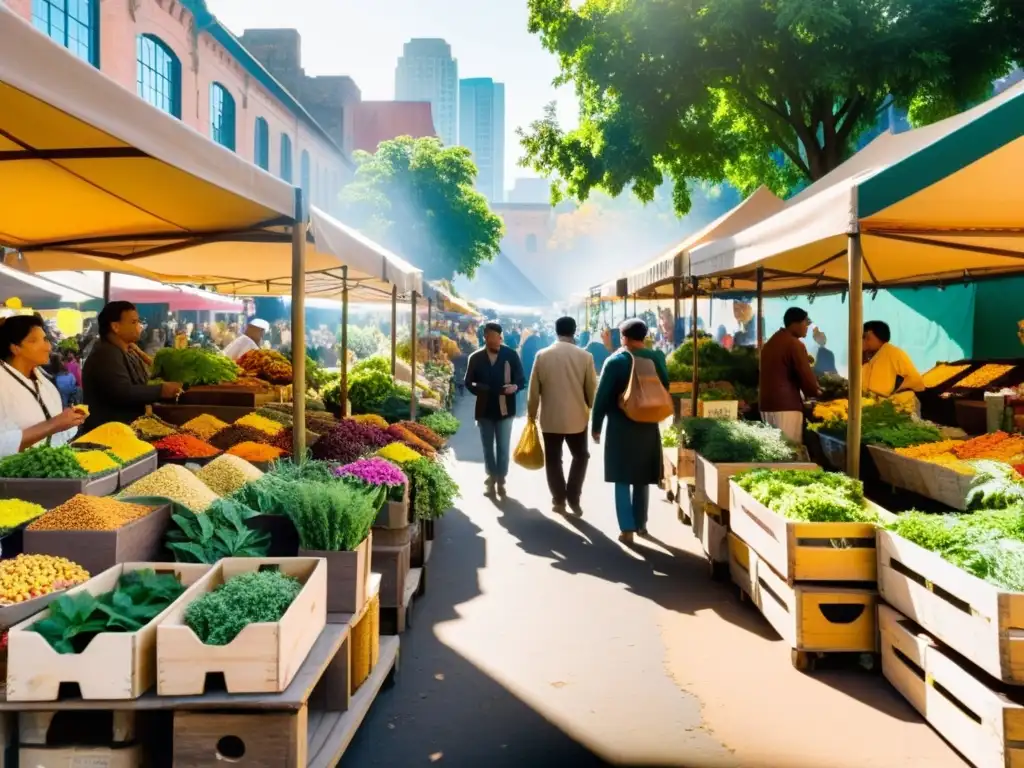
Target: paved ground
(542, 642)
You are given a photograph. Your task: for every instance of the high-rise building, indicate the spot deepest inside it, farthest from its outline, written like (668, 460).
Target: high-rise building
(426, 71)
(482, 131)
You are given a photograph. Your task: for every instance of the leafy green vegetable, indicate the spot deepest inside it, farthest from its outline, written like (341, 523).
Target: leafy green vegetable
(995, 486)
(884, 424)
(333, 516)
(192, 366)
(442, 422)
(262, 596)
(74, 620)
(434, 490)
(723, 440)
(43, 461)
(808, 495)
(219, 532)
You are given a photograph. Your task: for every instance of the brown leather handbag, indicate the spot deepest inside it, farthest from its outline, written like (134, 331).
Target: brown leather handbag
(645, 400)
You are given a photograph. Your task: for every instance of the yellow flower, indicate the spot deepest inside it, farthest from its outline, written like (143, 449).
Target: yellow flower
(398, 453)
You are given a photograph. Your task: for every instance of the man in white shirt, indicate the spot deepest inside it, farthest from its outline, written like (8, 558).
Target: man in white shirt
(562, 388)
(248, 341)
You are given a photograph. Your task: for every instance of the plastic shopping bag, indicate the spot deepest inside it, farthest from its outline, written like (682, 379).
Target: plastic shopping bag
(529, 452)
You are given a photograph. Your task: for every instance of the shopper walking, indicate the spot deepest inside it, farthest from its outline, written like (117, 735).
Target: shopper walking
(785, 374)
(563, 384)
(494, 374)
(632, 449)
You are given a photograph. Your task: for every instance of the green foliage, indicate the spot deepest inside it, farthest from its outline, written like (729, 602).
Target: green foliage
(714, 363)
(884, 424)
(995, 486)
(442, 422)
(364, 342)
(369, 389)
(434, 490)
(670, 438)
(219, 532)
(74, 620)
(713, 90)
(333, 516)
(833, 387)
(417, 196)
(250, 598)
(42, 461)
(812, 496)
(724, 440)
(317, 376)
(192, 366)
(271, 494)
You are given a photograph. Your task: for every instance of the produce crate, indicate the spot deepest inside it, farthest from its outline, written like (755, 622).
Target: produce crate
(393, 565)
(115, 665)
(713, 479)
(800, 551)
(348, 573)
(129, 756)
(980, 718)
(53, 493)
(811, 618)
(394, 514)
(973, 617)
(138, 469)
(713, 536)
(933, 481)
(686, 465)
(139, 542)
(264, 657)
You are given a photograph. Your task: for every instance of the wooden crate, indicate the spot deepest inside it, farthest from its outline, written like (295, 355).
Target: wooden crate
(264, 657)
(970, 615)
(248, 740)
(52, 493)
(394, 514)
(713, 536)
(81, 757)
(348, 574)
(812, 618)
(985, 724)
(393, 564)
(805, 551)
(713, 479)
(115, 665)
(900, 471)
(686, 464)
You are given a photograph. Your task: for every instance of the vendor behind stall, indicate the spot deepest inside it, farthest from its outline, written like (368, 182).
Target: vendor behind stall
(30, 405)
(115, 377)
(248, 341)
(889, 369)
(786, 377)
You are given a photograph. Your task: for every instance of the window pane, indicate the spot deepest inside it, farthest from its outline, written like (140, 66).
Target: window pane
(222, 116)
(159, 75)
(71, 23)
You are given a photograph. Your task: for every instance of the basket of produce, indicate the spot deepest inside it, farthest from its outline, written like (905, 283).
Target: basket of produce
(50, 476)
(988, 375)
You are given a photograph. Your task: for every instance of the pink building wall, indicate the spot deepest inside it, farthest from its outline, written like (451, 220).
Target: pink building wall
(203, 62)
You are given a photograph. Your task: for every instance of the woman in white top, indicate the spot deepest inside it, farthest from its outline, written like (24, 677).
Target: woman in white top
(31, 410)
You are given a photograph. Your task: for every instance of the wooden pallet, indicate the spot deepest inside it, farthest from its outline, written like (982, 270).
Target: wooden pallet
(981, 718)
(814, 619)
(971, 616)
(805, 551)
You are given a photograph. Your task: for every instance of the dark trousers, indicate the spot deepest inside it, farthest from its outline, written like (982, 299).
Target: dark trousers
(562, 492)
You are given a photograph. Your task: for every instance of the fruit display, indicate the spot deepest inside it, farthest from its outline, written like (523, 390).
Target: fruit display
(226, 474)
(942, 373)
(90, 513)
(984, 376)
(173, 482)
(193, 366)
(14, 512)
(119, 439)
(43, 462)
(28, 576)
(267, 365)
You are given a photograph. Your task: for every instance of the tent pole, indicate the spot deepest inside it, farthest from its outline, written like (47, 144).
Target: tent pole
(414, 345)
(760, 307)
(106, 288)
(344, 341)
(676, 286)
(430, 339)
(696, 379)
(855, 257)
(299, 328)
(394, 326)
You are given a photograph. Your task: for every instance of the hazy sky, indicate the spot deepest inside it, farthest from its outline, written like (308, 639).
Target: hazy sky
(364, 38)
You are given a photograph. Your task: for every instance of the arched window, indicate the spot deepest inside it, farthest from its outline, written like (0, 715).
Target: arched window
(286, 158)
(222, 116)
(159, 74)
(75, 24)
(261, 152)
(304, 178)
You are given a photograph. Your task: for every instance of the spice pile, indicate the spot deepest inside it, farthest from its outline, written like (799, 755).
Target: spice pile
(151, 428)
(256, 452)
(14, 512)
(942, 373)
(43, 462)
(97, 462)
(226, 474)
(90, 513)
(29, 576)
(183, 448)
(173, 482)
(203, 426)
(255, 421)
(120, 439)
(236, 434)
(983, 376)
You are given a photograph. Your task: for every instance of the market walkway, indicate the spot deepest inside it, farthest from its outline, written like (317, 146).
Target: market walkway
(542, 642)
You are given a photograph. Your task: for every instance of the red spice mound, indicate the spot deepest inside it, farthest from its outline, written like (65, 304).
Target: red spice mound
(178, 447)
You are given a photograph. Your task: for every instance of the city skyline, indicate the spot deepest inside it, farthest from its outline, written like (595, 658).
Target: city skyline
(482, 132)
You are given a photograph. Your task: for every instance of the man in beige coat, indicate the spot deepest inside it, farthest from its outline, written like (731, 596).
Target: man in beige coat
(562, 388)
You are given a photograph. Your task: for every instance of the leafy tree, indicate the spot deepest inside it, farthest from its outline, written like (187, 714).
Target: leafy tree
(417, 197)
(749, 91)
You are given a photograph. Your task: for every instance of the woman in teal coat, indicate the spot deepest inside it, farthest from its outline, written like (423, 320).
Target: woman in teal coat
(632, 450)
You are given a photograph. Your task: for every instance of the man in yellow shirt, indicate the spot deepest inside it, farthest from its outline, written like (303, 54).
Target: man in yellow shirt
(889, 369)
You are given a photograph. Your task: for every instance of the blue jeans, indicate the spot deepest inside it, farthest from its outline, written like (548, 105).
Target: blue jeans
(496, 436)
(631, 506)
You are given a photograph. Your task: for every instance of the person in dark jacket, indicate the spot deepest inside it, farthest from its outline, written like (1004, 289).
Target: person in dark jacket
(115, 376)
(494, 374)
(632, 450)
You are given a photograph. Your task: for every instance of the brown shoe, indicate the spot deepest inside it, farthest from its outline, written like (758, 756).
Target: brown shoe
(626, 537)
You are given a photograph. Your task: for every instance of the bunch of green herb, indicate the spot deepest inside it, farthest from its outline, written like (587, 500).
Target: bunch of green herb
(74, 620)
(333, 516)
(434, 490)
(884, 424)
(811, 495)
(995, 486)
(220, 531)
(270, 495)
(250, 598)
(732, 441)
(43, 461)
(442, 422)
(192, 366)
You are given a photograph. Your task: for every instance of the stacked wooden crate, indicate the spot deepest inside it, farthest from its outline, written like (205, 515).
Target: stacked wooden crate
(953, 645)
(399, 556)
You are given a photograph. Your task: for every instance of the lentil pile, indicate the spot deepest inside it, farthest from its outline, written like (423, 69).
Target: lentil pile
(183, 447)
(29, 576)
(120, 439)
(97, 462)
(236, 434)
(261, 423)
(176, 483)
(226, 474)
(256, 451)
(204, 426)
(14, 512)
(152, 428)
(90, 513)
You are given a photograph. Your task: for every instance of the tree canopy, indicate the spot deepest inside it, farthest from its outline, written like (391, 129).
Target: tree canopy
(751, 92)
(417, 197)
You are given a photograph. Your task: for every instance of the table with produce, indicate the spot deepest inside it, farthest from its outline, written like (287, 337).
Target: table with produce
(166, 589)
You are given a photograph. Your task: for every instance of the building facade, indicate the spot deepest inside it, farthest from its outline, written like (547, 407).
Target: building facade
(426, 71)
(179, 58)
(482, 131)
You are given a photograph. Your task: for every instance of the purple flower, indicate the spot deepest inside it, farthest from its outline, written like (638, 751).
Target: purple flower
(348, 440)
(373, 471)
